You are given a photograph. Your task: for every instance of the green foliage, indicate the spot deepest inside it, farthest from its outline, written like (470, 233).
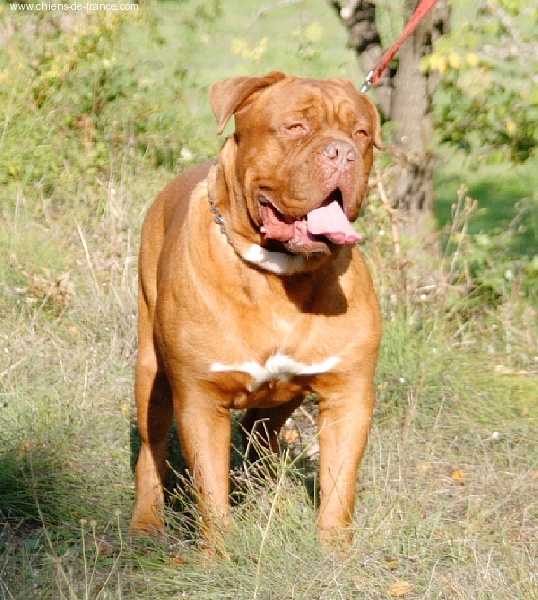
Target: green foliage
(200, 11)
(78, 100)
(484, 262)
(487, 102)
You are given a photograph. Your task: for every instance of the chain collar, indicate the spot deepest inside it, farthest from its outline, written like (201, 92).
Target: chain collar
(219, 220)
(280, 263)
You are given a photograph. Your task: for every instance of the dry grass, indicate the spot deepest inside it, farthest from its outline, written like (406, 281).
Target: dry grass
(448, 489)
(447, 495)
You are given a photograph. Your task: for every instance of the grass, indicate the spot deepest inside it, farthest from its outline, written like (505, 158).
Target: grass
(506, 199)
(447, 496)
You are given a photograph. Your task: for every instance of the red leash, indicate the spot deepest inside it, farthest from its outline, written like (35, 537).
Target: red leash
(375, 74)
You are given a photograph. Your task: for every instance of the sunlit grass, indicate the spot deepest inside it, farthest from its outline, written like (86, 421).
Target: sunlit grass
(447, 493)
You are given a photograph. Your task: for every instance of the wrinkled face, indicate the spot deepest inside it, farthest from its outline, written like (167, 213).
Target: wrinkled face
(304, 152)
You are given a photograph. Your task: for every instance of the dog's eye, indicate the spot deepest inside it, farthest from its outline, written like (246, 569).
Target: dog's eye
(296, 128)
(361, 133)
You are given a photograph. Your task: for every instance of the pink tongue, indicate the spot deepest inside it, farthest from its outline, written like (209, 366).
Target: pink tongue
(330, 221)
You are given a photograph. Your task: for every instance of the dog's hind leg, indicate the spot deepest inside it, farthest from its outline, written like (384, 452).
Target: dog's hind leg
(155, 413)
(261, 427)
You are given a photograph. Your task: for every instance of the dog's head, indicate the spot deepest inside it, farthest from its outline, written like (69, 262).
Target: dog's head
(303, 149)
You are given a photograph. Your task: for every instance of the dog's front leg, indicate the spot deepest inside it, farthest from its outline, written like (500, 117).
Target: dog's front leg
(205, 434)
(344, 424)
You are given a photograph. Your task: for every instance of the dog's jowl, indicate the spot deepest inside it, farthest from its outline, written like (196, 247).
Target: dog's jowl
(253, 293)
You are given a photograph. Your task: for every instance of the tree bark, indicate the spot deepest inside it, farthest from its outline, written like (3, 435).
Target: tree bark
(363, 34)
(405, 98)
(411, 112)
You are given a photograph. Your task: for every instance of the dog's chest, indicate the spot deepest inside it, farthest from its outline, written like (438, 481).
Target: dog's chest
(277, 368)
(277, 340)
(273, 361)
(271, 382)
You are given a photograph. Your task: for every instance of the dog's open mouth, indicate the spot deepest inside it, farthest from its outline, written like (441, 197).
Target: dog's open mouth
(311, 232)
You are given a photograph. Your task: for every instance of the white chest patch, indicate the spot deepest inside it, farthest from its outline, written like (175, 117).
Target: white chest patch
(275, 262)
(277, 367)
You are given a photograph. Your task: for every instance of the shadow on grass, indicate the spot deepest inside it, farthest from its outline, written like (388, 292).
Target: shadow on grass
(180, 492)
(39, 485)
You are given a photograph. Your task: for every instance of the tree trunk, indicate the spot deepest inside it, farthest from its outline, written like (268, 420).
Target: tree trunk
(411, 190)
(405, 98)
(364, 38)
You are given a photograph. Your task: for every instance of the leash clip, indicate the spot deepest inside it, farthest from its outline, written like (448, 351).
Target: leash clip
(367, 82)
(423, 7)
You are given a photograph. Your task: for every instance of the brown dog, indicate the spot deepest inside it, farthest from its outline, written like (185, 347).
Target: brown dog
(253, 293)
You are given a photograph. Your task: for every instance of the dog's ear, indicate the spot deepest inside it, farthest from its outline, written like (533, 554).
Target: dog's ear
(227, 96)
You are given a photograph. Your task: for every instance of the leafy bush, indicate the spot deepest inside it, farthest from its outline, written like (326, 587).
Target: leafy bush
(488, 97)
(78, 100)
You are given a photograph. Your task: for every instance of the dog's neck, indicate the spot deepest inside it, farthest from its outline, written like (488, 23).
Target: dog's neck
(279, 263)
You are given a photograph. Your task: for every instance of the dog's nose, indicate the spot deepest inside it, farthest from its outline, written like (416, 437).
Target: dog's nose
(340, 153)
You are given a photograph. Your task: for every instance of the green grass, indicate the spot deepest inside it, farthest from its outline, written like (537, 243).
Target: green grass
(506, 198)
(222, 39)
(447, 496)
